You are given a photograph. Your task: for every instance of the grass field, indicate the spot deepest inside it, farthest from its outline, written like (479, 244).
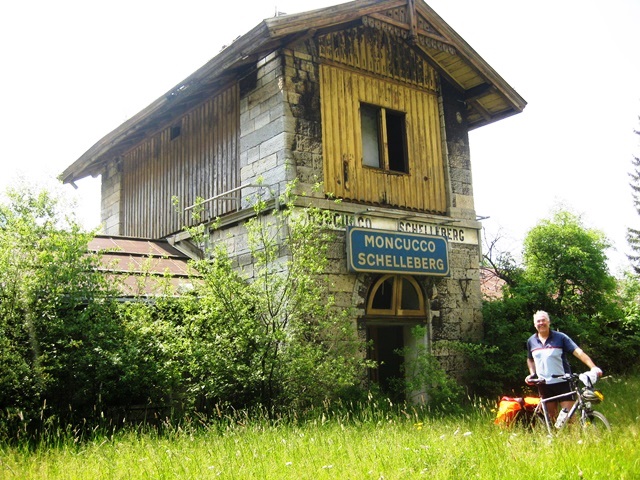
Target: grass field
(373, 443)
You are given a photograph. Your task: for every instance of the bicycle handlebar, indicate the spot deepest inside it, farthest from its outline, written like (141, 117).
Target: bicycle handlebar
(538, 381)
(534, 380)
(566, 376)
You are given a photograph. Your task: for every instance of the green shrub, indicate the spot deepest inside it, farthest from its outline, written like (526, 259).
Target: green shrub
(272, 335)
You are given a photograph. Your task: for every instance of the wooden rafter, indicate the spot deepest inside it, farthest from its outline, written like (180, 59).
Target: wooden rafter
(413, 20)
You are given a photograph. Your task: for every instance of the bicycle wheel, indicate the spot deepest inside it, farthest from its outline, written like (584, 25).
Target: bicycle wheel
(595, 422)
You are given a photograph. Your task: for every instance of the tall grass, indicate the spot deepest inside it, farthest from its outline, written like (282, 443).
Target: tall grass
(376, 442)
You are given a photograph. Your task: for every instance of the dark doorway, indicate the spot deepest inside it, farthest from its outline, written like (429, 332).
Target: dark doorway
(395, 304)
(386, 341)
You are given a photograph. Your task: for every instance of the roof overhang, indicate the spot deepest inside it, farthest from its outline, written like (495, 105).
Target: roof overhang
(488, 97)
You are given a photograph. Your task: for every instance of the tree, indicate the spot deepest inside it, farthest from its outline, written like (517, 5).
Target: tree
(564, 271)
(625, 333)
(270, 336)
(54, 309)
(633, 234)
(501, 263)
(569, 262)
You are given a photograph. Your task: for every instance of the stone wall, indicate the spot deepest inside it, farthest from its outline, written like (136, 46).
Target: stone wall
(281, 139)
(110, 209)
(264, 129)
(302, 93)
(455, 128)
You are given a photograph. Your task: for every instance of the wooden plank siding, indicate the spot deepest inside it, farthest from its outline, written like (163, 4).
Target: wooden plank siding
(374, 66)
(195, 157)
(424, 187)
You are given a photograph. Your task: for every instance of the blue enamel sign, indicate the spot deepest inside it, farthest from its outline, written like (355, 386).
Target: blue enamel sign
(383, 251)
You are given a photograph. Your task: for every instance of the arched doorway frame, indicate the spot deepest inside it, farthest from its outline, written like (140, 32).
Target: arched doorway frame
(394, 305)
(405, 298)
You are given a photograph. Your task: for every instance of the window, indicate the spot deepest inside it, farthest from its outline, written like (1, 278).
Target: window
(396, 295)
(175, 132)
(384, 136)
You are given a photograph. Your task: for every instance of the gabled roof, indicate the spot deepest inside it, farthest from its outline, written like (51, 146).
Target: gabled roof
(489, 98)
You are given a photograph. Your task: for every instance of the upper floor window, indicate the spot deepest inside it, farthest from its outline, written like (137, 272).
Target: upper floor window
(384, 138)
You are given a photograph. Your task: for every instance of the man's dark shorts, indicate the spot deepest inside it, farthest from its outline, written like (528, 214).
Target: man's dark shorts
(552, 389)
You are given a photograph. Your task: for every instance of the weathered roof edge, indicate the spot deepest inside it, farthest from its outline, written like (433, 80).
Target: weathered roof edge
(262, 38)
(514, 97)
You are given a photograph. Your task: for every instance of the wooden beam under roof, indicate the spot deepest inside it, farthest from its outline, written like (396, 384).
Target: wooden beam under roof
(270, 34)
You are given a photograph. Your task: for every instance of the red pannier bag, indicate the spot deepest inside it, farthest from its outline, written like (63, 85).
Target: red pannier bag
(508, 408)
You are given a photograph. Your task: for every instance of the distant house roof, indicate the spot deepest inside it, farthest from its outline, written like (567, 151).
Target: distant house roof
(490, 284)
(487, 96)
(145, 267)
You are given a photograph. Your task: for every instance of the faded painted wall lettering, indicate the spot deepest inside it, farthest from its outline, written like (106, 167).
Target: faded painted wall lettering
(342, 220)
(451, 233)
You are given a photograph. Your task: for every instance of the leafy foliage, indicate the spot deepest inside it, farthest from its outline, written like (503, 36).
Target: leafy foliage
(54, 311)
(269, 337)
(569, 262)
(271, 333)
(425, 375)
(564, 272)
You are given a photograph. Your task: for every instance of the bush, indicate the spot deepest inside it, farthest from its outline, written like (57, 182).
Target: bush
(54, 312)
(273, 336)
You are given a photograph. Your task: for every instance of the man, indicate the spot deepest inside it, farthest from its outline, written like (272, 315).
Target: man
(547, 356)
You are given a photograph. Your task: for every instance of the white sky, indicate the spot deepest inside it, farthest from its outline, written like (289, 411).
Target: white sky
(73, 70)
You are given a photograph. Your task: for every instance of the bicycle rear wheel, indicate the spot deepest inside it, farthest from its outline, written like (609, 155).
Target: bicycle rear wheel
(595, 422)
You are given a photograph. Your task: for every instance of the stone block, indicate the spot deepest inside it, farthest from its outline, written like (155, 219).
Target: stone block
(464, 201)
(272, 145)
(263, 61)
(255, 138)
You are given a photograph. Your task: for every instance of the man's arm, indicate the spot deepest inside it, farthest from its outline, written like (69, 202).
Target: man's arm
(532, 366)
(583, 357)
(532, 372)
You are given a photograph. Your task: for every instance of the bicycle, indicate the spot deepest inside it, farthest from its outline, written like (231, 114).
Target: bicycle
(585, 398)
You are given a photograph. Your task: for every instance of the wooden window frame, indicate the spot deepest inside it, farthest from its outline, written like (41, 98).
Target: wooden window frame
(391, 134)
(396, 297)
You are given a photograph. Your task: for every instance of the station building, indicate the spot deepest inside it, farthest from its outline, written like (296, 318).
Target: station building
(373, 100)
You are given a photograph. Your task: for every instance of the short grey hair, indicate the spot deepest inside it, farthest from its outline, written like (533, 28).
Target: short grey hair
(541, 313)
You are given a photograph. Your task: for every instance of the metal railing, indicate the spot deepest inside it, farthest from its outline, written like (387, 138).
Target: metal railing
(226, 196)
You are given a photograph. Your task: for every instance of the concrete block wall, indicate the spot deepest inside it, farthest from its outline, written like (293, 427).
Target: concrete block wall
(265, 130)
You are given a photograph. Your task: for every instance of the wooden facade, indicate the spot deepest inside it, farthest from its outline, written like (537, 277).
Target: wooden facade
(196, 157)
(367, 68)
(396, 56)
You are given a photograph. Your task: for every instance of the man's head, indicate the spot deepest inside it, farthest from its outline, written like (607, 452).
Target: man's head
(541, 321)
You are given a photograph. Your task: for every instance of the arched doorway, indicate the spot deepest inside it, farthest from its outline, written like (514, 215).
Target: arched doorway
(395, 304)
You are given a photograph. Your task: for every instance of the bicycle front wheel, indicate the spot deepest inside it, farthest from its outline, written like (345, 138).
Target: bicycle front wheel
(595, 422)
